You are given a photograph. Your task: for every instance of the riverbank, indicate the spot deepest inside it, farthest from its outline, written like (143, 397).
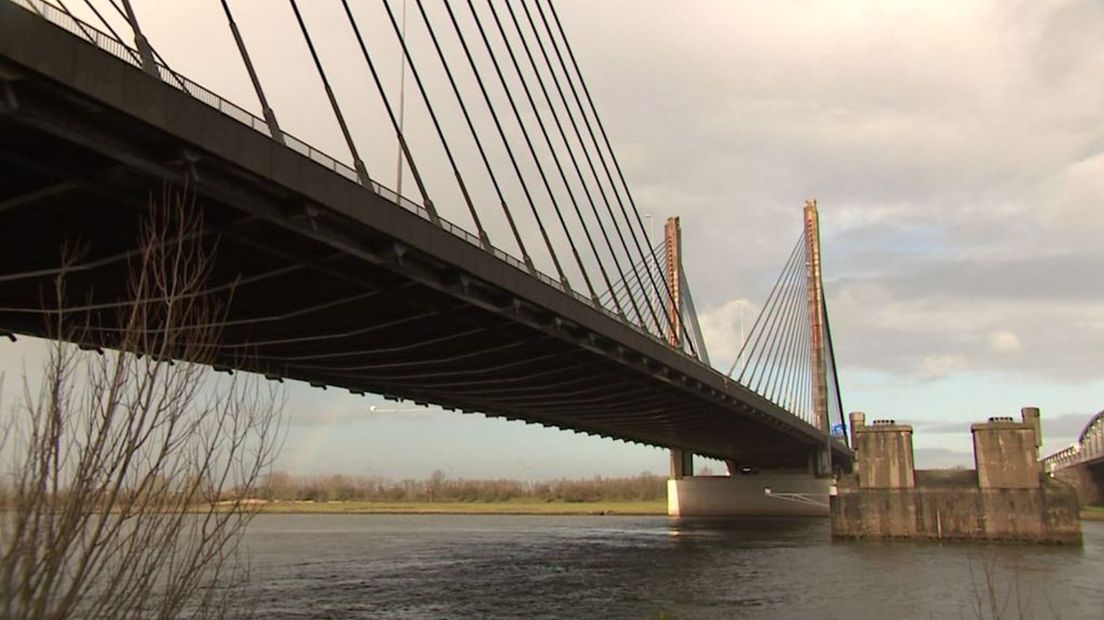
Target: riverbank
(656, 507)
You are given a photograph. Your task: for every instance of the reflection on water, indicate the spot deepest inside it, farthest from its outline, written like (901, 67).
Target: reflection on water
(388, 566)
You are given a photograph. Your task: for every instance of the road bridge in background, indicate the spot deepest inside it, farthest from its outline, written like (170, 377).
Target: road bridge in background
(1082, 464)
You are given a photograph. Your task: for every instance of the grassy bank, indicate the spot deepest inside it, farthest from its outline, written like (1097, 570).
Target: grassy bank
(507, 507)
(1092, 513)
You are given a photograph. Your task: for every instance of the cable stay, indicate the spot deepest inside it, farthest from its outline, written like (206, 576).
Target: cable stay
(526, 152)
(788, 356)
(690, 318)
(632, 289)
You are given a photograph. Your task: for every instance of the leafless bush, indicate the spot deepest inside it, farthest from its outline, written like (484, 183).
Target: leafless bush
(120, 465)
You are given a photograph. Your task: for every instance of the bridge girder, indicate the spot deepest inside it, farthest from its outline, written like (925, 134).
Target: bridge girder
(332, 270)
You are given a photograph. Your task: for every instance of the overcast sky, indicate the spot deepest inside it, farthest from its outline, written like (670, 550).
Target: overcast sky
(956, 150)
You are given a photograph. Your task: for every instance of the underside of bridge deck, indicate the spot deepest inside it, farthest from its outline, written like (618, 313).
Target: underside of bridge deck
(332, 284)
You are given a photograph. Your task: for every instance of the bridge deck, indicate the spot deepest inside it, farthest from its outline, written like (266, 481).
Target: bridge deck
(339, 285)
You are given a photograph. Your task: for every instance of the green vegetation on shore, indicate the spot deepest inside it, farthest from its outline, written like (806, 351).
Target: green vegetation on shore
(1092, 513)
(650, 507)
(437, 489)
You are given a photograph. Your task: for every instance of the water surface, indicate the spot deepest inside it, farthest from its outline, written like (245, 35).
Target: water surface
(481, 566)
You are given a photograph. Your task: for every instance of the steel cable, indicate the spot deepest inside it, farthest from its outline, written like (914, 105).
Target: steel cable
(570, 151)
(762, 313)
(467, 119)
(483, 239)
(357, 162)
(552, 151)
(501, 133)
(525, 135)
(598, 121)
(781, 307)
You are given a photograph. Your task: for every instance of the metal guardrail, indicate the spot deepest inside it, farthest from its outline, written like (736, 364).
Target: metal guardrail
(108, 43)
(1061, 459)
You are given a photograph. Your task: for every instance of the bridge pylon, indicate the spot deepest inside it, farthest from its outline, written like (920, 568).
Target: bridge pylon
(816, 312)
(817, 324)
(682, 461)
(795, 371)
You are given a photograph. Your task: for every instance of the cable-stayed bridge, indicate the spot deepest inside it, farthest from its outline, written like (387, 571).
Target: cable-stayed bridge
(550, 304)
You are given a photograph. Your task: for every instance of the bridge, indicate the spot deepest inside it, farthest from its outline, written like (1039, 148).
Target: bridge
(1082, 464)
(342, 282)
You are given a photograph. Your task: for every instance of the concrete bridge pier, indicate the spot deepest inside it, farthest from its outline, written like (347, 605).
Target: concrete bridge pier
(682, 463)
(1005, 497)
(746, 492)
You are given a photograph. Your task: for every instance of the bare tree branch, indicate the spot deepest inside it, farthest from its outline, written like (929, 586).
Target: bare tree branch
(131, 469)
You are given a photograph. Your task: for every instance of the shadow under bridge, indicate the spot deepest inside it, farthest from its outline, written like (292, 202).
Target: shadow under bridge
(336, 284)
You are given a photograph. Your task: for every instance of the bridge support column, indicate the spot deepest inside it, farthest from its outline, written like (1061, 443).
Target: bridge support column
(766, 494)
(820, 462)
(682, 463)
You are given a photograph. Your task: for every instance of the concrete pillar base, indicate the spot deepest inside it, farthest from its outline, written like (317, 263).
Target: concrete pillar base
(682, 463)
(789, 495)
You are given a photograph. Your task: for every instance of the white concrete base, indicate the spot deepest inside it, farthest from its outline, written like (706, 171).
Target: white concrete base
(765, 495)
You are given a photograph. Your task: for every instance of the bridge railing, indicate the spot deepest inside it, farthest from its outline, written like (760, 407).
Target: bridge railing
(124, 52)
(1061, 459)
(111, 44)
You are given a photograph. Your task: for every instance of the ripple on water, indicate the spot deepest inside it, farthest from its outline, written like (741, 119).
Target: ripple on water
(461, 566)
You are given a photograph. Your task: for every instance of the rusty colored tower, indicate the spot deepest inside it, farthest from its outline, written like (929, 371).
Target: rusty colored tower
(816, 316)
(672, 236)
(682, 461)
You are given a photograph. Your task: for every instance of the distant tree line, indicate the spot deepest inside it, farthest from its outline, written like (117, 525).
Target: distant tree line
(282, 486)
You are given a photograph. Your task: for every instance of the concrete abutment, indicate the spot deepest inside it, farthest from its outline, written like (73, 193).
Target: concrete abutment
(1006, 497)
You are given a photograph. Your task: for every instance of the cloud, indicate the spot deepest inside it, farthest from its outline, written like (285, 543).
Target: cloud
(724, 329)
(957, 152)
(904, 325)
(939, 366)
(942, 458)
(1066, 427)
(1004, 342)
(1059, 431)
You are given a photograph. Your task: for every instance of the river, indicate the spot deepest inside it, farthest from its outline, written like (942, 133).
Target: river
(446, 566)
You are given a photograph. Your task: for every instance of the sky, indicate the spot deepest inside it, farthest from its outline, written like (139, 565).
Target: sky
(956, 150)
